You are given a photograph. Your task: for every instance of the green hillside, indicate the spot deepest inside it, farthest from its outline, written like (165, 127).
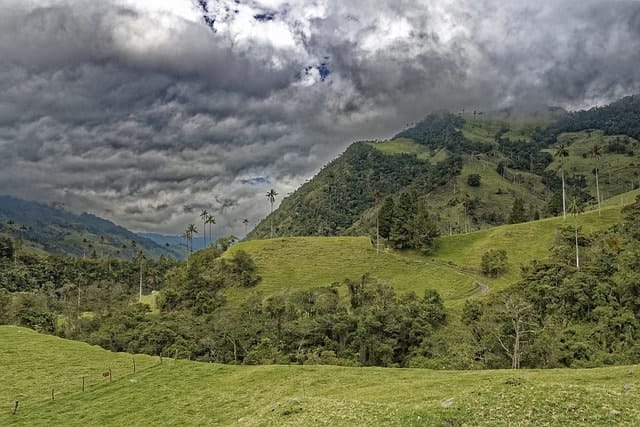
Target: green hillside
(522, 242)
(190, 393)
(453, 269)
(48, 229)
(307, 262)
(470, 169)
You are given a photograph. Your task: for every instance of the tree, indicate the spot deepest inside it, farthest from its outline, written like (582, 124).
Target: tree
(513, 318)
(562, 153)
(140, 258)
(575, 209)
(211, 221)
(596, 153)
(11, 227)
(271, 196)
(204, 215)
(494, 262)
(473, 180)
(518, 212)
(6, 248)
(385, 216)
(245, 222)
(424, 229)
(378, 196)
(191, 230)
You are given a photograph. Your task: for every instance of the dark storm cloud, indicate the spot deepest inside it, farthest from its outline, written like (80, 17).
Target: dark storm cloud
(146, 115)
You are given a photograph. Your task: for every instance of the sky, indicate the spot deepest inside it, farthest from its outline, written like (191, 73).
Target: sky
(144, 112)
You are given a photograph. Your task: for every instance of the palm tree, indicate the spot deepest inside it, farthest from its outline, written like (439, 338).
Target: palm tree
(210, 220)
(203, 215)
(575, 209)
(140, 258)
(562, 153)
(378, 195)
(245, 222)
(271, 196)
(596, 153)
(185, 236)
(191, 230)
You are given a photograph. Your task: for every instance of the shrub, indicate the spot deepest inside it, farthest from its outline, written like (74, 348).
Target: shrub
(494, 262)
(473, 180)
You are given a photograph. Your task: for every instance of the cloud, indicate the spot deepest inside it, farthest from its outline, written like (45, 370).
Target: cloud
(142, 113)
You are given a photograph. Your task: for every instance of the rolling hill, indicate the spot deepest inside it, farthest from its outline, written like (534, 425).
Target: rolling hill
(453, 269)
(179, 392)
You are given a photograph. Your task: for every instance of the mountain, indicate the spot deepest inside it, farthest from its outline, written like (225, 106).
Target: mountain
(56, 231)
(464, 172)
(175, 244)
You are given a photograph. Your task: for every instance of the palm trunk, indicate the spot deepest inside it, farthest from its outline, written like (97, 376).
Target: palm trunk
(564, 198)
(598, 191)
(140, 299)
(577, 250)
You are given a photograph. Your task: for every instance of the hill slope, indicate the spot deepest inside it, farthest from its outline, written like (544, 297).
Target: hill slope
(190, 393)
(60, 232)
(469, 170)
(453, 269)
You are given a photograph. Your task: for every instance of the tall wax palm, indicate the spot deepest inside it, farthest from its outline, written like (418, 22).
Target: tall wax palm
(271, 196)
(211, 221)
(191, 230)
(245, 222)
(575, 209)
(378, 196)
(185, 236)
(596, 153)
(203, 215)
(140, 258)
(562, 153)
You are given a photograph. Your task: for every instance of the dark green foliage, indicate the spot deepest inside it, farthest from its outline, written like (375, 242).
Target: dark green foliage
(6, 248)
(385, 217)
(494, 262)
(331, 202)
(242, 270)
(524, 156)
(631, 215)
(442, 130)
(473, 180)
(424, 229)
(619, 118)
(518, 212)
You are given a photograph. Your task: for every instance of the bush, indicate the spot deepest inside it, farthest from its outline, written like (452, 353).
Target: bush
(494, 262)
(473, 180)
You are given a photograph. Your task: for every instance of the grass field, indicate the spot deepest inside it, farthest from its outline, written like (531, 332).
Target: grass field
(307, 262)
(190, 393)
(454, 269)
(523, 242)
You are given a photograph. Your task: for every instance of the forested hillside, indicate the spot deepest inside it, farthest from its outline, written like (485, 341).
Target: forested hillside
(38, 227)
(467, 172)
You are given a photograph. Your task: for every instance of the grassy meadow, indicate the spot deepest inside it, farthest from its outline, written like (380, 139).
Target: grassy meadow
(308, 262)
(190, 393)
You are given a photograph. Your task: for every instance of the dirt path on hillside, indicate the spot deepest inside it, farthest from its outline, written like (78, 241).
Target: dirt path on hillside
(483, 288)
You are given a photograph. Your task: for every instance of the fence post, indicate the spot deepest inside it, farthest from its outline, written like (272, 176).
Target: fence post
(83, 383)
(15, 408)
(134, 365)
(53, 395)
(110, 378)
